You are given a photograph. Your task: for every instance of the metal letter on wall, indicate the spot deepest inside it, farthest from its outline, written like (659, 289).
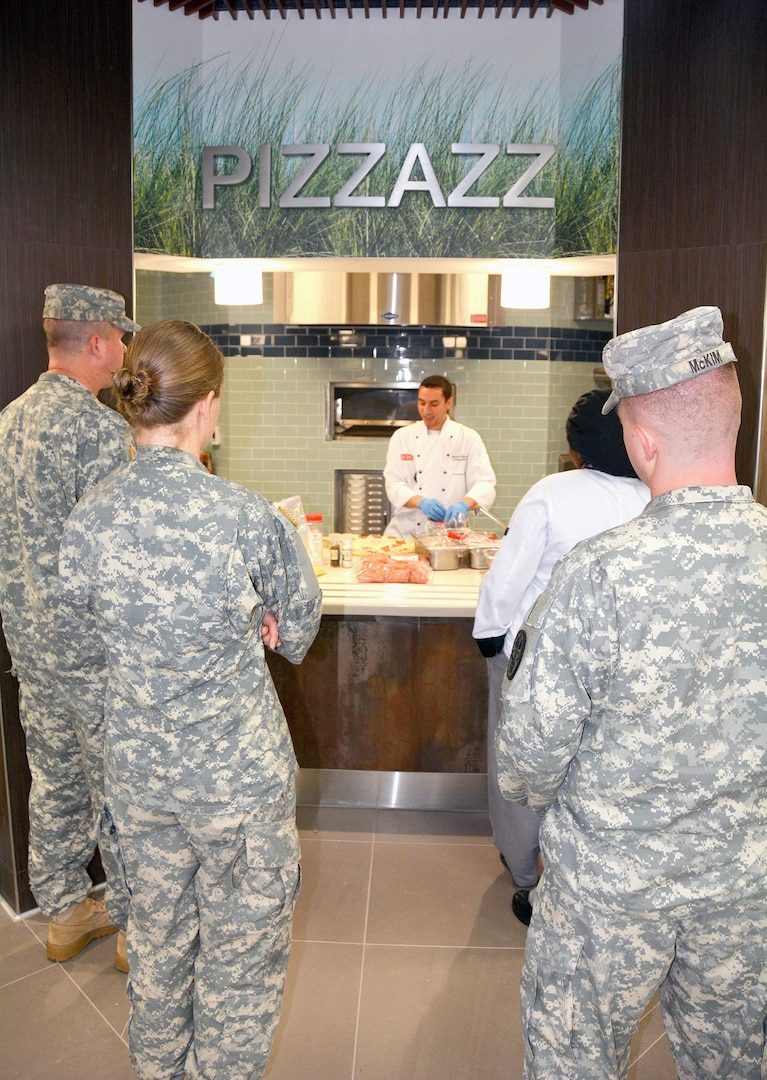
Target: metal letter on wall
(211, 180)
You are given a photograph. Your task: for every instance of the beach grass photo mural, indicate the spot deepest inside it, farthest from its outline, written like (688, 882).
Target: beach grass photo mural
(381, 170)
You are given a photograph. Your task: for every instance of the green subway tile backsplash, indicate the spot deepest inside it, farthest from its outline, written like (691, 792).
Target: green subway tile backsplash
(515, 385)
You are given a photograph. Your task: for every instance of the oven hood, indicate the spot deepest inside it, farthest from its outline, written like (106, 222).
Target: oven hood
(383, 298)
(383, 292)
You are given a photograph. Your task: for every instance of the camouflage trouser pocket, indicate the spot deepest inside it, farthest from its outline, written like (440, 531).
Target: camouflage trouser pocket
(266, 862)
(551, 963)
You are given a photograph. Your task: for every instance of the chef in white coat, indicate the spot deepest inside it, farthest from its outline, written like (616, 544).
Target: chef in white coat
(436, 470)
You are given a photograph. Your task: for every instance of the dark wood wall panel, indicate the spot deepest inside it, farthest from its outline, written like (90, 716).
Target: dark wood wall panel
(693, 166)
(66, 214)
(693, 194)
(65, 164)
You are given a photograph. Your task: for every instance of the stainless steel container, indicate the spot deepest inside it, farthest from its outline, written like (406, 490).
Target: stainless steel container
(480, 558)
(444, 558)
(441, 555)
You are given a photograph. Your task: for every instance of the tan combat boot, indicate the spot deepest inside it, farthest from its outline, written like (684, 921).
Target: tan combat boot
(71, 931)
(121, 953)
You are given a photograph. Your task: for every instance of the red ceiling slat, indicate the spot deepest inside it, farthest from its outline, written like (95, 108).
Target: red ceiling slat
(210, 8)
(191, 7)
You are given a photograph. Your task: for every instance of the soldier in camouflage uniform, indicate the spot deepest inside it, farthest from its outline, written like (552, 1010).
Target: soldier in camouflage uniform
(635, 721)
(56, 442)
(189, 577)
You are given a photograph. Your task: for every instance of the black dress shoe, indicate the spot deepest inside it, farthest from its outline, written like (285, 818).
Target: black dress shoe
(521, 906)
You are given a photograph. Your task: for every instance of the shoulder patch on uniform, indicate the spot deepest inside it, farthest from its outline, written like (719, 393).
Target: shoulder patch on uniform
(517, 652)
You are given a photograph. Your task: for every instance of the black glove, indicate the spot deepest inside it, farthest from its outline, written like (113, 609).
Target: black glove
(490, 646)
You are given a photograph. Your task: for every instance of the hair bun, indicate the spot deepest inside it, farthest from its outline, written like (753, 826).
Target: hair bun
(134, 387)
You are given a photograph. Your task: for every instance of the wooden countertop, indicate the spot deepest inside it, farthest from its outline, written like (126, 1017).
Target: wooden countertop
(451, 594)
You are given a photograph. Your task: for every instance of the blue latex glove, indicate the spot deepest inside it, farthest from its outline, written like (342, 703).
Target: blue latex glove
(433, 509)
(457, 514)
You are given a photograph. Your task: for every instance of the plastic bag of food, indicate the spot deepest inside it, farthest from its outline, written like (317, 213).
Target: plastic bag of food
(393, 569)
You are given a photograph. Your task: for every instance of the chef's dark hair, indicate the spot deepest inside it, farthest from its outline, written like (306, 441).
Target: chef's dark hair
(438, 382)
(597, 438)
(168, 368)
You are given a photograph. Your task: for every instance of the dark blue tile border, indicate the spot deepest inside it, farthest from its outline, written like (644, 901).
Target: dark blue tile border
(421, 343)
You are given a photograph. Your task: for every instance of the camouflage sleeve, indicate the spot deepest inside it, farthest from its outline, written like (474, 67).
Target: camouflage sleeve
(282, 575)
(102, 442)
(559, 665)
(73, 574)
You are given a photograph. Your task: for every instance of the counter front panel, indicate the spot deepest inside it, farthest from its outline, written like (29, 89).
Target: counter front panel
(394, 680)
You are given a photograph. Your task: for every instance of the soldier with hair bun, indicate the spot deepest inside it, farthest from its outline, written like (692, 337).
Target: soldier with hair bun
(190, 578)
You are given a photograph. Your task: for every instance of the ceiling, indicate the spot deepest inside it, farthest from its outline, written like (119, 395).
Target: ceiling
(332, 9)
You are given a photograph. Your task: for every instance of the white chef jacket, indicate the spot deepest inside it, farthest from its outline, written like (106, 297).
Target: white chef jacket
(448, 465)
(555, 514)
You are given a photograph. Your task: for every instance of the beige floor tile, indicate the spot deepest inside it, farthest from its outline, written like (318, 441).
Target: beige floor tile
(315, 1036)
(441, 894)
(50, 1031)
(334, 888)
(650, 1052)
(94, 972)
(21, 952)
(440, 1014)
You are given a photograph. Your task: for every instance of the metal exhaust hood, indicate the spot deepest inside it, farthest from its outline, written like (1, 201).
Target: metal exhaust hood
(389, 298)
(383, 292)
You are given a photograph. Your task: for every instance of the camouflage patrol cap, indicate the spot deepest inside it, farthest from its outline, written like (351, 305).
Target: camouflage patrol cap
(86, 303)
(655, 357)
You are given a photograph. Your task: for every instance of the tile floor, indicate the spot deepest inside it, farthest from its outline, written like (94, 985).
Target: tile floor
(405, 966)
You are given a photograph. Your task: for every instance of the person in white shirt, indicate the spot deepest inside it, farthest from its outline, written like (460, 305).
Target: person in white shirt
(556, 513)
(436, 470)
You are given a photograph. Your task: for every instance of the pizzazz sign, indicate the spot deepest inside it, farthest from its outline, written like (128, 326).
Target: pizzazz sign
(372, 153)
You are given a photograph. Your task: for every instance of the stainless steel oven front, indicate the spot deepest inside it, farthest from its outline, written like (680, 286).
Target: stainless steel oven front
(369, 409)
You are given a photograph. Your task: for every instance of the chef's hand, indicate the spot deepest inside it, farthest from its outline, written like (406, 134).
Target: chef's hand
(433, 509)
(457, 513)
(270, 634)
